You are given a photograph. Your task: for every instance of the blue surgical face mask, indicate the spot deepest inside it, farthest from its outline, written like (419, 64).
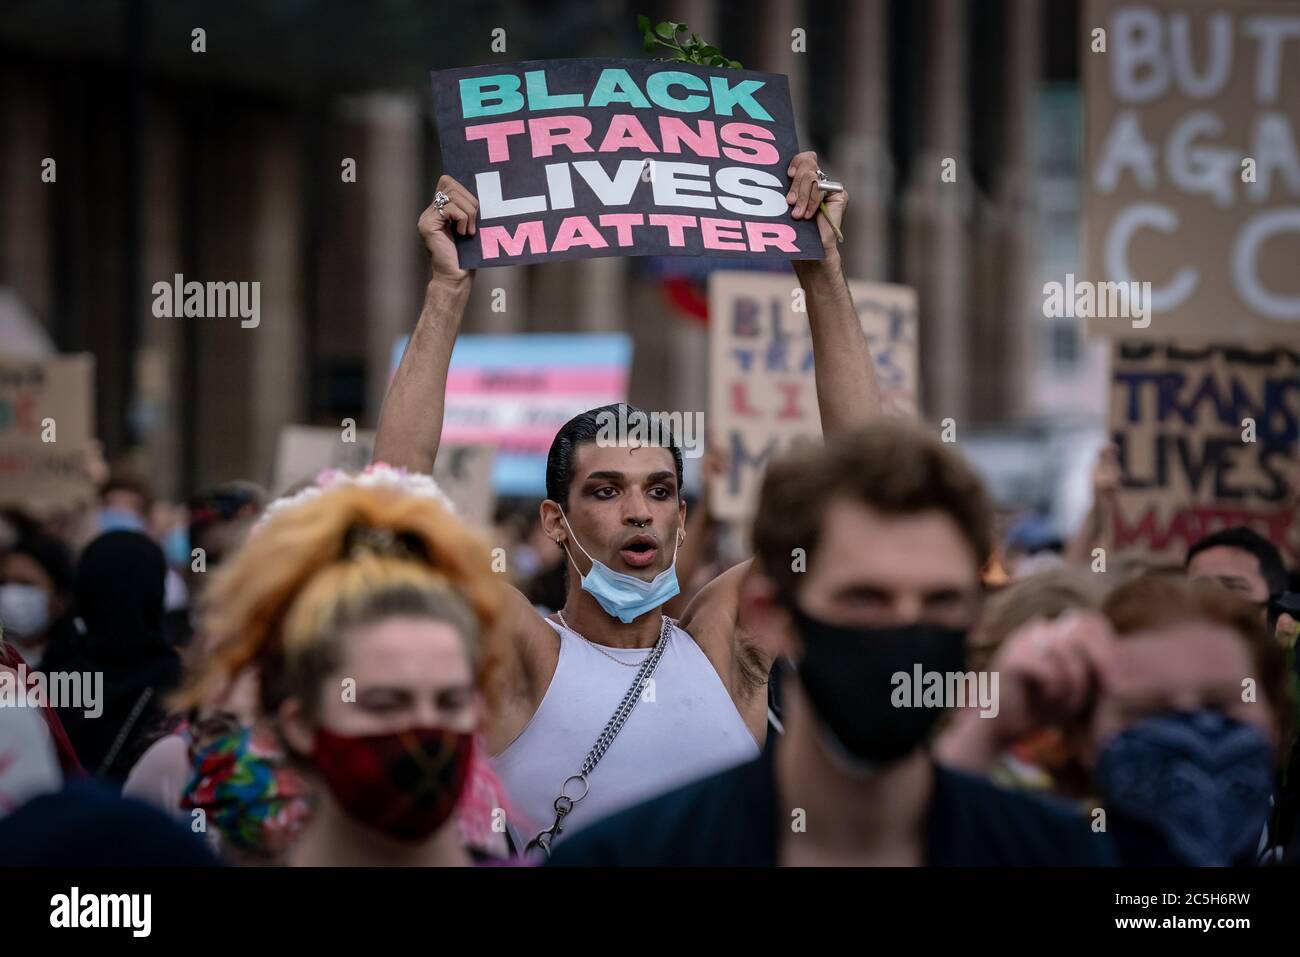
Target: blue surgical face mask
(1187, 789)
(176, 546)
(24, 612)
(623, 596)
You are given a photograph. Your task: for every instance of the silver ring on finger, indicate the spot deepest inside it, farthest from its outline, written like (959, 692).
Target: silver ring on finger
(828, 185)
(440, 199)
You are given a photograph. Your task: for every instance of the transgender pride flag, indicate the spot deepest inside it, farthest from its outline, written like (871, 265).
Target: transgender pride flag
(513, 392)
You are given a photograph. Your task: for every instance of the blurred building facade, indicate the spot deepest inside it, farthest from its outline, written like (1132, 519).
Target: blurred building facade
(226, 165)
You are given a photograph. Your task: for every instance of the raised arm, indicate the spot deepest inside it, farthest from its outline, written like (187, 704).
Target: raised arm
(1096, 530)
(847, 392)
(847, 397)
(410, 422)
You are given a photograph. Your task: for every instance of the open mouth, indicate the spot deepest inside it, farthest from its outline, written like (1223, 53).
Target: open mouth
(639, 551)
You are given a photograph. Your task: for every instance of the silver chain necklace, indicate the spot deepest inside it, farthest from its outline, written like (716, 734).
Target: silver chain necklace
(625, 664)
(564, 803)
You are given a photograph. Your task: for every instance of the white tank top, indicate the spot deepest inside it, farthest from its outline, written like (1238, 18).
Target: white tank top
(689, 730)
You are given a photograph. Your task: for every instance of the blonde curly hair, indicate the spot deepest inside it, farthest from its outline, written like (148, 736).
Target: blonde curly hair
(349, 554)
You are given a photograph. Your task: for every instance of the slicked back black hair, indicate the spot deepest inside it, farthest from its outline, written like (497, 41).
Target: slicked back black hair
(585, 428)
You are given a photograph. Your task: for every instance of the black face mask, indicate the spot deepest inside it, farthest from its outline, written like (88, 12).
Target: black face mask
(846, 673)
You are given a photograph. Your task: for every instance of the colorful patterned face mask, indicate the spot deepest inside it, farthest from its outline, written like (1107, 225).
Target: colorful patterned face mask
(247, 792)
(404, 784)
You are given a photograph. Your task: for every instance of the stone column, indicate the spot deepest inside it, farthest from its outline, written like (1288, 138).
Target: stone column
(390, 177)
(861, 158)
(601, 294)
(27, 203)
(778, 18)
(500, 303)
(161, 389)
(277, 349)
(1019, 304)
(935, 217)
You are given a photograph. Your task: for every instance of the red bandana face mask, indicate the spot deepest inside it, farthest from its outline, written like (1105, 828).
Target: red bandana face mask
(404, 784)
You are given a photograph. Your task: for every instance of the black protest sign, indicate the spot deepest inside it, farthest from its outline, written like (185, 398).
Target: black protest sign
(575, 159)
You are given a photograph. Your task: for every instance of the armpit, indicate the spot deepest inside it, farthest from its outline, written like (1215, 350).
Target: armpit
(752, 667)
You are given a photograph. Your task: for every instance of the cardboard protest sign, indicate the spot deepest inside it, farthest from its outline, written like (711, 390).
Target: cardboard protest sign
(762, 395)
(1205, 437)
(574, 159)
(465, 474)
(46, 427)
(463, 471)
(304, 451)
(514, 392)
(1193, 168)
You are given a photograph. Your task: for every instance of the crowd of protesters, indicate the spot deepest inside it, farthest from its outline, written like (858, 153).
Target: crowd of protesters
(348, 677)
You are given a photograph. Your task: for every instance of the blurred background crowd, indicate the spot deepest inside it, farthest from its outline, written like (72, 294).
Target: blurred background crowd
(225, 163)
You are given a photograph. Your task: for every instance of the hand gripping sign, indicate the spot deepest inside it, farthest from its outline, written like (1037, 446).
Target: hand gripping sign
(575, 159)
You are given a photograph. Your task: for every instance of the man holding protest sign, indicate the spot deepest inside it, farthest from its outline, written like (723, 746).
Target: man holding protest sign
(697, 698)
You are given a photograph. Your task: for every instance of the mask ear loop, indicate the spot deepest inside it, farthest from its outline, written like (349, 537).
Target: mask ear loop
(565, 546)
(677, 543)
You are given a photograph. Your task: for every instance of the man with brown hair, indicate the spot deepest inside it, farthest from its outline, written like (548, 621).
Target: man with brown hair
(865, 581)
